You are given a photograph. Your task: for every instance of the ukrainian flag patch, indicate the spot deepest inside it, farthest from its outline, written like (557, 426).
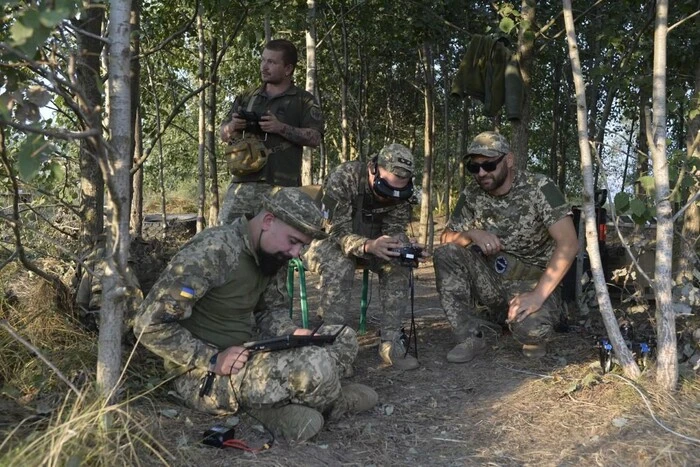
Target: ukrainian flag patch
(186, 292)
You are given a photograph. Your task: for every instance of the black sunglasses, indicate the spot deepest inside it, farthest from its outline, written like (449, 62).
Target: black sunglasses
(488, 166)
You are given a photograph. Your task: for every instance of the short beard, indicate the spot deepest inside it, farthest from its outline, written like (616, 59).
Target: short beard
(270, 263)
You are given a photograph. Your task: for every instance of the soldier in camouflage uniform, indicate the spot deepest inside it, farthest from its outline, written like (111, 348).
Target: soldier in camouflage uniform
(368, 209)
(508, 245)
(290, 118)
(204, 307)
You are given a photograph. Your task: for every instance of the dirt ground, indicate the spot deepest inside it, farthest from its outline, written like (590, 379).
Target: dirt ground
(501, 409)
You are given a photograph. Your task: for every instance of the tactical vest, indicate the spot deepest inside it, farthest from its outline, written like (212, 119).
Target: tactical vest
(367, 214)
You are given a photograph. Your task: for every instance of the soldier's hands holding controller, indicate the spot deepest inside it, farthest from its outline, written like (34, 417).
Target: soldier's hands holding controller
(230, 361)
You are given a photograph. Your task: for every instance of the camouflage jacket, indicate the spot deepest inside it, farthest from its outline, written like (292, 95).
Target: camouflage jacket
(521, 218)
(341, 192)
(206, 299)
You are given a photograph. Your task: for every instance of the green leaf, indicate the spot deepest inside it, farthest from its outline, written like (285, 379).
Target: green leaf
(506, 25)
(647, 183)
(622, 201)
(638, 207)
(30, 155)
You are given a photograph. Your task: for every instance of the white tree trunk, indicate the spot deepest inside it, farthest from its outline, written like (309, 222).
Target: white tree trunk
(307, 160)
(624, 355)
(667, 360)
(118, 183)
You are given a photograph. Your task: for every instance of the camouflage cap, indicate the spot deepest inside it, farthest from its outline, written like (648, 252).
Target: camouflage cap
(397, 159)
(489, 144)
(297, 209)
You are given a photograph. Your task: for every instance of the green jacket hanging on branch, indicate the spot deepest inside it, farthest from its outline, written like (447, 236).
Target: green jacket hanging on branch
(490, 72)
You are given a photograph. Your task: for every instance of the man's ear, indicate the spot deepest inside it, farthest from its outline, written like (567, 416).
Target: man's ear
(510, 160)
(267, 221)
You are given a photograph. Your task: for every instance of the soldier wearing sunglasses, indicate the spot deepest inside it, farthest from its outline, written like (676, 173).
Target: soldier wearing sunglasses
(507, 246)
(368, 208)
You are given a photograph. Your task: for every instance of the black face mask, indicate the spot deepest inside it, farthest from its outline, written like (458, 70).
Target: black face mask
(383, 189)
(270, 263)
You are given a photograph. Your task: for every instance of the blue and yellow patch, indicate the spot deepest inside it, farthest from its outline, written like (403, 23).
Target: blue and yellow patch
(186, 292)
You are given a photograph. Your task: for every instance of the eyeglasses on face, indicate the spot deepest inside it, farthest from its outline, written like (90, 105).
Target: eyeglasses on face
(488, 166)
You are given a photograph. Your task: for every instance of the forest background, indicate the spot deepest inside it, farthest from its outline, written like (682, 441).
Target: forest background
(109, 110)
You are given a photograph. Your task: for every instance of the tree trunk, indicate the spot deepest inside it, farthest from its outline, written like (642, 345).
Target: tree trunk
(136, 124)
(211, 134)
(667, 361)
(526, 54)
(624, 355)
(118, 182)
(463, 142)
(344, 125)
(425, 205)
(202, 124)
(307, 158)
(88, 78)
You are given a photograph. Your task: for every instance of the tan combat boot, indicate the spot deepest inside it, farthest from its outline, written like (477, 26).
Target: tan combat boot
(467, 350)
(354, 398)
(394, 353)
(293, 422)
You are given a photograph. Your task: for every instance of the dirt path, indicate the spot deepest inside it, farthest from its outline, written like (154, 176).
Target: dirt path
(501, 409)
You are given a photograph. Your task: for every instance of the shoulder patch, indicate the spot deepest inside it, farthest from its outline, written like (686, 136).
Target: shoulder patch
(328, 205)
(553, 195)
(316, 113)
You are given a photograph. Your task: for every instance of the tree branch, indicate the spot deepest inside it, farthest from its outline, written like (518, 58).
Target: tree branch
(4, 324)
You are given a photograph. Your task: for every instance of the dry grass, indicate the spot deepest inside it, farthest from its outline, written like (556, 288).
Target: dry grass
(501, 409)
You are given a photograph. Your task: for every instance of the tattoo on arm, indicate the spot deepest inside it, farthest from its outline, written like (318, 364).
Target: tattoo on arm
(302, 136)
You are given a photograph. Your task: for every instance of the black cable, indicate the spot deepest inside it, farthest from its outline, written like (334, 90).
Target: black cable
(241, 408)
(412, 333)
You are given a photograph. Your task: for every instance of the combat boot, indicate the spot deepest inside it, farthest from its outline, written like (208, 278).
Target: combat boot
(535, 350)
(467, 350)
(293, 422)
(354, 398)
(394, 353)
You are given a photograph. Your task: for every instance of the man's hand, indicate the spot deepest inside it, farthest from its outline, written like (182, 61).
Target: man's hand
(523, 305)
(231, 361)
(236, 125)
(489, 243)
(270, 124)
(383, 247)
(302, 332)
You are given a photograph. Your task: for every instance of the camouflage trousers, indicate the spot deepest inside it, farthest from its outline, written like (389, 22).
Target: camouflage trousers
(337, 274)
(304, 375)
(465, 277)
(242, 198)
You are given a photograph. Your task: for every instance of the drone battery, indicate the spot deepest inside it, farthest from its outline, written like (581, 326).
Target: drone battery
(217, 435)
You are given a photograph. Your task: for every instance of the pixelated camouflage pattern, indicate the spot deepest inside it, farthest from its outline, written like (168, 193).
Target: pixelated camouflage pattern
(343, 185)
(209, 260)
(397, 159)
(489, 144)
(306, 375)
(465, 277)
(242, 199)
(297, 209)
(337, 273)
(520, 219)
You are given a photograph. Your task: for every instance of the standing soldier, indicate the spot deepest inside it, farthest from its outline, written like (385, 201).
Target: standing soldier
(368, 211)
(268, 126)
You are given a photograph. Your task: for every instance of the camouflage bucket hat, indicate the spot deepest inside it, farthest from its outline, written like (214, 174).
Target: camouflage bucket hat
(397, 159)
(489, 144)
(297, 209)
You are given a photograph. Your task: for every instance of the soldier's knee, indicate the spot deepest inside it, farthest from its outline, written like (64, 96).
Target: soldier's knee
(446, 254)
(532, 330)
